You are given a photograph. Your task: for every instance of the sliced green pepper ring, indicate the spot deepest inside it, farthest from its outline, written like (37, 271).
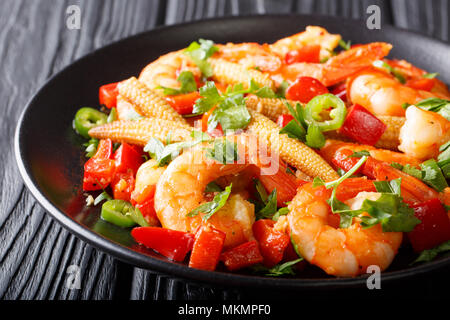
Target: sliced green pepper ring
(88, 118)
(321, 103)
(118, 212)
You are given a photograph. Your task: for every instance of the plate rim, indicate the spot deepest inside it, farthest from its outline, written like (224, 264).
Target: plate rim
(178, 270)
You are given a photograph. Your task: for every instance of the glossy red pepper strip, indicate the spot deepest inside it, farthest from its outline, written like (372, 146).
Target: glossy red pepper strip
(127, 158)
(170, 243)
(362, 126)
(183, 103)
(434, 228)
(207, 248)
(99, 170)
(108, 95)
(284, 119)
(272, 243)
(242, 256)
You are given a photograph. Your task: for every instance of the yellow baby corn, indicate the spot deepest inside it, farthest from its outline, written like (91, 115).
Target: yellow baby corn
(270, 107)
(140, 131)
(147, 102)
(290, 150)
(232, 73)
(390, 138)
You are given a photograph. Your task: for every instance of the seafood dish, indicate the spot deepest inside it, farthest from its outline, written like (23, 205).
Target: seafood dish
(309, 152)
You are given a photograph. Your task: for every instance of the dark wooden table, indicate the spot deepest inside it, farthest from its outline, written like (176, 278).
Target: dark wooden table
(35, 43)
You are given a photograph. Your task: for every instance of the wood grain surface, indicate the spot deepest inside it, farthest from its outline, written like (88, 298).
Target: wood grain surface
(35, 43)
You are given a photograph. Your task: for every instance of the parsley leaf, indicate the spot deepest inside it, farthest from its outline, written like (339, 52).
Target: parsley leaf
(314, 137)
(279, 269)
(213, 187)
(209, 208)
(437, 105)
(187, 81)
(359, 154)
(428, 255)
(281, 212)
(200, 52)
(408, 169)
(223, 151)
(433, 175)
(384, 65)
(270, 207)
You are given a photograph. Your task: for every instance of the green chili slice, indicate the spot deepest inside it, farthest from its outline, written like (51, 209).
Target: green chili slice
(320, 104)
(88, 118)
(122, 214)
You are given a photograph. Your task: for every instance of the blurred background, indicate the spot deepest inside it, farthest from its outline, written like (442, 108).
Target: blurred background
(35, 43)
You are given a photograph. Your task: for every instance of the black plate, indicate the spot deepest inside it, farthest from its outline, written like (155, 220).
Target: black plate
(50, 155)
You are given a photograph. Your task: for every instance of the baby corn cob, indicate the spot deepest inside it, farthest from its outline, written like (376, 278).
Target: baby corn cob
(232, 73)
(270, 107)
(146, 101)
(140, 131)
(290, 150)
(390, 138)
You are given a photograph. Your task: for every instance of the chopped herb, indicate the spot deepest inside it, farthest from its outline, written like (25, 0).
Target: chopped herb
(260, 191)
(270, 207)
(359, 154)
(223, 151)
(294, 130)
(278, 270)
(345, 45)
(384, 65)
(165, 154)
(130, 114)
(91, 147)
(209, 208)
(294, 245)
(289, 170)
(200, 52)
(187, 81)
(281, 92)
(315, 137)
(431, 75)
(112, 115)
(213, 187)
(408, 169)
(437, 105)
(102, 196)
(281, 212)
(433, 175)
(428, 255)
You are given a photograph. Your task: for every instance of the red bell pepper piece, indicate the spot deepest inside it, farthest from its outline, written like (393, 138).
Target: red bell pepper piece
(217, 132)
(207, 248)
(183, 103)
(342, 159)
(170, 243)
(340, 91)
(285, 183)
(421, 84)
(349, 188)
(362, 126)
(272, 243)
(123, 185)
(108, 95)
(284, 119)
(147, 209)
(304, 89)
(308, 53)
(242, 256)
(127, 158)
(434, 228)
(98, 174)
(104, 149)
(99, 170)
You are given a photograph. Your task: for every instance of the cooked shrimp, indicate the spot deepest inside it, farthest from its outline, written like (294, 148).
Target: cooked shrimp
(250, 55)
(181, 189)
(339, 67)
(312, 35)
(146, 179)
(382, 94)
(378, 167)
(165, 70)
(423, 133)
(340, 252)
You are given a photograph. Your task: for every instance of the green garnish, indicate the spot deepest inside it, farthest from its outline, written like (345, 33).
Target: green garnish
(112, 115)
(430, 75)
(359, 154)
(209, 208)
(278, 270)
(188, 84)
(102, 196)
(384, 65)
(200, 52)
(270, 207)
(433, 175)
(430, 254)
(281, 212)
(345, 45)
(91, 147)
(437, 105)
(165, 154)
(223, 151)
(213, 187)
